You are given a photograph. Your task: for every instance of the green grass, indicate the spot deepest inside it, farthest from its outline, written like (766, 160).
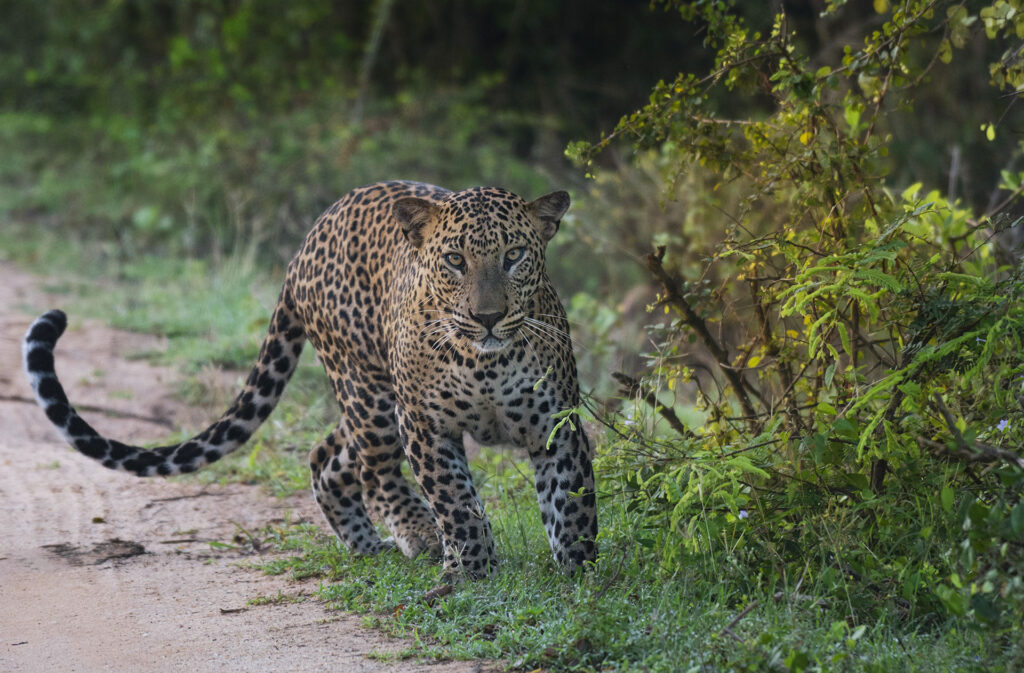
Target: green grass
(623, 615)
(626, 614)
(276, 457)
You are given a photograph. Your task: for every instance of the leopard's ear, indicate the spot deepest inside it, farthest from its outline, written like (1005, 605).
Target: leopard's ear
(412, 215)
(548, 210)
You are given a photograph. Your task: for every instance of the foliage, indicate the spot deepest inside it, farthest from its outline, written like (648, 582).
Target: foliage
(201, 128)
(623, 615)
(855, 351)
(174, 64)
(172, 60)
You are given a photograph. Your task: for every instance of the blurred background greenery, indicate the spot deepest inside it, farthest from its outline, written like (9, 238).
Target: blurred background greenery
(198, 126)
(201, 125)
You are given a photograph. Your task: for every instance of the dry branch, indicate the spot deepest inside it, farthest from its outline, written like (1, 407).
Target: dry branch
(94, 409)
(674, 297)
(632, 387)
(976, 451)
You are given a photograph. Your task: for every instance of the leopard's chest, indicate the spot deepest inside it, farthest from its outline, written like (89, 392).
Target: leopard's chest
(488, 396)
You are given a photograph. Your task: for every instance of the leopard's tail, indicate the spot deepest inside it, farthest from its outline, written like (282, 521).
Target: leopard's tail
(277, 361)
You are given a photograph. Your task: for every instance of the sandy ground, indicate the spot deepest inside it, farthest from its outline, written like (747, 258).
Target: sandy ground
(103, 571)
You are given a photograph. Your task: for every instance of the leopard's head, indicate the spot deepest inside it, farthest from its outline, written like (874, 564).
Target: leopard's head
(481, 254)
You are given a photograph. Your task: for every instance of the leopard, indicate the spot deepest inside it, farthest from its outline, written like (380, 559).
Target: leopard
(435, 320)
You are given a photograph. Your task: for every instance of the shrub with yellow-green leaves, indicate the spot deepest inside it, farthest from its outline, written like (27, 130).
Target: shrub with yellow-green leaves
(852, 352)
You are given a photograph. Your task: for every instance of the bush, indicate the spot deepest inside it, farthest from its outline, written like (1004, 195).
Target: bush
(854, 352)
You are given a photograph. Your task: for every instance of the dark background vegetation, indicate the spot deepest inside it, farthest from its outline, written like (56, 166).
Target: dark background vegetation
(527, 76)
(819, 386)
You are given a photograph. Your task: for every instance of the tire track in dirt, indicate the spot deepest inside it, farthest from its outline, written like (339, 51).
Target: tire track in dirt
(180, 605)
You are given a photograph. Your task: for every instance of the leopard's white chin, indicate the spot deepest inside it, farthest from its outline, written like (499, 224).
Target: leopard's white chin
(491, 344)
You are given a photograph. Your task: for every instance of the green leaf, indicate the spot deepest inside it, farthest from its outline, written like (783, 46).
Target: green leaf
(1017, 519)
(845, 428)
(984, 608)
(852, 115)
(910, 389)
(830, 372)
(742, 463)
(945, 51)
(797, 661)
(857, 480)
(910, 192)
(947, 499)
(952, 599)
(844, 336)
(892, 442)
(879, 278)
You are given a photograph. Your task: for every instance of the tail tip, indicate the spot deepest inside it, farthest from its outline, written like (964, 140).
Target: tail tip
(48, 327)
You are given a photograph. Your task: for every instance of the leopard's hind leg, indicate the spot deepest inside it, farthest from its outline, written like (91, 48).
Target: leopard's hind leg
(338, 489)
(357, 470)
(386, 492)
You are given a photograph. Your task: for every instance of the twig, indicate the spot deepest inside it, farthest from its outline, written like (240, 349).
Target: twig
(981, 452)
(880, 466)
(879, 354)
(985, 452)
(183, 540)
(92, 408)
(772, 347)
(950, 421)
(200, 494)
(727, 630)
(611, 580)
(632, 387)
(697, 324)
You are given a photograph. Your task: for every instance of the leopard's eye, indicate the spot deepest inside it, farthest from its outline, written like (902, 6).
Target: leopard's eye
(513, 256)
(455, 260)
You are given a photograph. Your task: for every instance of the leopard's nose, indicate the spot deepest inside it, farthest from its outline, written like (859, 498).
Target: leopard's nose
(488, 320)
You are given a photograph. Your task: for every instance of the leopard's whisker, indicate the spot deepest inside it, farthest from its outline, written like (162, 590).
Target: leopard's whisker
(544, 339)
(561, 317)
(526, 338)
(555, 333)
(453, 344)
(433, 325)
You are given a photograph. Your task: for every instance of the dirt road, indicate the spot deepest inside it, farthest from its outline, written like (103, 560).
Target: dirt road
(102, 571)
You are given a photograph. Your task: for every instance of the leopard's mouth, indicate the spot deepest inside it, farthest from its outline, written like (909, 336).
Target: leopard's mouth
(488, 339)
(487, 342)
(490, 343)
